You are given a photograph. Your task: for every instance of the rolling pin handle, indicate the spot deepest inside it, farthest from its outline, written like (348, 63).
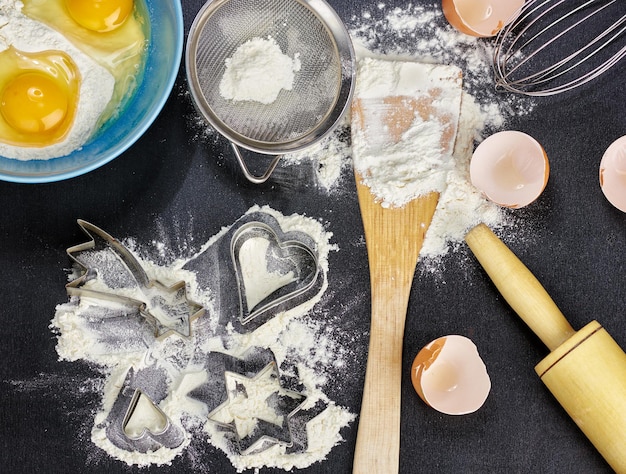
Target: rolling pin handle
(519, 287)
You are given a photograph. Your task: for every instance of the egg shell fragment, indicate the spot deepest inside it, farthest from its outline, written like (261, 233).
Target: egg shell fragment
(481, 18)
(511, 168)
(613, 174)
(449, 375)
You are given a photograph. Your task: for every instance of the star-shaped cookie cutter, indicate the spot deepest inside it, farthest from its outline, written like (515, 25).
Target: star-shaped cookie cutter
(166, 308)
(233, 381)
(280, 404)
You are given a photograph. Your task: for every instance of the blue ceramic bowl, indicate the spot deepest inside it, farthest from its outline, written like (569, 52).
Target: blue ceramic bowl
(163, 61)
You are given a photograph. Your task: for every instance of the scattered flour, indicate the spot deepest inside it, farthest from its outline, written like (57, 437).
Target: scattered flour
(257, 71)
(301, 347)
(461, 206)
(96, 85)
(332, 157)
(103, 333)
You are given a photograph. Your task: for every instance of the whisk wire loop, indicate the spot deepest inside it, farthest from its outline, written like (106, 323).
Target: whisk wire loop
(542, 30)
(567, 64)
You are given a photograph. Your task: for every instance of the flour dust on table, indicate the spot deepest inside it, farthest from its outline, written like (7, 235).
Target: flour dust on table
(252, 377)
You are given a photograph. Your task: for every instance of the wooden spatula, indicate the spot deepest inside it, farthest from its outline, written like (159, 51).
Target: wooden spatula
(381, 118)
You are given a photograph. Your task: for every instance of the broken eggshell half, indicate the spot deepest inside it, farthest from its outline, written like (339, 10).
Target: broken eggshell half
(613, 174)
(481, 18)
(511, 168)
(450, 376)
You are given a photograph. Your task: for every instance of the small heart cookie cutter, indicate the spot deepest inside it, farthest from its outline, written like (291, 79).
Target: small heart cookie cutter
(135, 408)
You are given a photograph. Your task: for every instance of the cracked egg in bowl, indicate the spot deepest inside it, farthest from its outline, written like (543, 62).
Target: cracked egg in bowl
(81, 81)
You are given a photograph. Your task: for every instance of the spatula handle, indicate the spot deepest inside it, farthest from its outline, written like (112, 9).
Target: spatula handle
(394, 237)
(519, 287)
(378, 441)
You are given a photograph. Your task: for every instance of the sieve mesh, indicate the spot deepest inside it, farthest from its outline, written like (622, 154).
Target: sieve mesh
(294, 115)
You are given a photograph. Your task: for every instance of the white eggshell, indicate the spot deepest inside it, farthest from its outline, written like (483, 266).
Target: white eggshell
(480, 17)
(613, 173)
(450, 376)
(511, 168)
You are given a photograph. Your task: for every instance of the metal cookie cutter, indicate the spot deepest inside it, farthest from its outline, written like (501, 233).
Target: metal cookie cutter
(166, 308)
(135, 422)
(257, 270)
(247, 401)
(270, 271)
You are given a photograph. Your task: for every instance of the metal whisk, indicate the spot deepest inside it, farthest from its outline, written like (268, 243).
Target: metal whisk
(553, 46)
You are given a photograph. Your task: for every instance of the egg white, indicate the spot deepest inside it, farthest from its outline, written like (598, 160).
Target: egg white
(96, 88)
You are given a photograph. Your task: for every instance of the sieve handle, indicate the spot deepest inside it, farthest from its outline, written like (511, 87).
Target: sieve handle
(246, 171)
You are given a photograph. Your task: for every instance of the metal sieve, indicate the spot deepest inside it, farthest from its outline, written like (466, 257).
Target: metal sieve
(299, 117)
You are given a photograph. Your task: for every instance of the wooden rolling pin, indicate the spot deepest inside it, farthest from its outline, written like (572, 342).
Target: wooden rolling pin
(586, 370)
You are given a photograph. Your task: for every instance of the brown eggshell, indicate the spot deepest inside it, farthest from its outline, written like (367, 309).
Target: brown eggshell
(449, 376)
(511, 168)
(613, 174)
(462, 15)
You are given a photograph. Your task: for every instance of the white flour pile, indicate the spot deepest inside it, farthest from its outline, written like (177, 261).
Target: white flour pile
(96, 85)
(257, 71)
(97, 331)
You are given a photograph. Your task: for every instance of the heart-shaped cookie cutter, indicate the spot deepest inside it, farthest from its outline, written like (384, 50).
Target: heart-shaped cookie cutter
(141, 389)
(289, 268)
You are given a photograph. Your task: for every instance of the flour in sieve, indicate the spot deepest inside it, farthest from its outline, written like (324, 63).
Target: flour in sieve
(257, 71)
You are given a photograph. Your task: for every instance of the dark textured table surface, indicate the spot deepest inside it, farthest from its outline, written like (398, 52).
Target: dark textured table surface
(173, 175)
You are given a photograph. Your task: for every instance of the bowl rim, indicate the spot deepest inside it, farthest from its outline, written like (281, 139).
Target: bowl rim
(142, 126)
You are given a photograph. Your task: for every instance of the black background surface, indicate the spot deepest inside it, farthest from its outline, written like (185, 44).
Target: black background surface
(180, 188)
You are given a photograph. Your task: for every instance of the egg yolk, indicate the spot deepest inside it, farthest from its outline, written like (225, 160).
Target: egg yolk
(33, 103)
(39, 93)
(99, 15)
(87, 24)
